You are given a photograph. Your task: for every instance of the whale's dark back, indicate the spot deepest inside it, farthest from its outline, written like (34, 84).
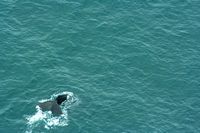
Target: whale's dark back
(61, 98)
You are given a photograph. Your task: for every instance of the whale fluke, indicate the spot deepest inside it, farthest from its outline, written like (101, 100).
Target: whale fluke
(53, 106)
(55, 109)
(46, 105)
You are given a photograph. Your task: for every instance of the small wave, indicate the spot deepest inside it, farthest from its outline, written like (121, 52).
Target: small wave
(46, 118)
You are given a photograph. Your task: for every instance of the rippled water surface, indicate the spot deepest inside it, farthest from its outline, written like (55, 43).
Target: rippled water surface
(128, 65)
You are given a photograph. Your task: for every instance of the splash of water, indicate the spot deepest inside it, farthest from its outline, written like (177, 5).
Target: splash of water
(49, 120)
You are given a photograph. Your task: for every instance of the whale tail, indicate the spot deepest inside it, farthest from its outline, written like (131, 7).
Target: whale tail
(51, 106)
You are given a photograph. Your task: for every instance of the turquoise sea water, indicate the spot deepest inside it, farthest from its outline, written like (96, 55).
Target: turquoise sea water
(130, 66)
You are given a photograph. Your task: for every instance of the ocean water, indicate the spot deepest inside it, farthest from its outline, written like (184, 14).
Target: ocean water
(129, 66)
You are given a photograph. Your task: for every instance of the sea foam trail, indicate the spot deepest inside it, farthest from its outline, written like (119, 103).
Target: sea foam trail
(46, 118)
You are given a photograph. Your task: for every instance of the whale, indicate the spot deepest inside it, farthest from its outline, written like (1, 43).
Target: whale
(53, 105)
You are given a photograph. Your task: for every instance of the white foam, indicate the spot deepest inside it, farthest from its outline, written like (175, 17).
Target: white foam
(39, 115)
